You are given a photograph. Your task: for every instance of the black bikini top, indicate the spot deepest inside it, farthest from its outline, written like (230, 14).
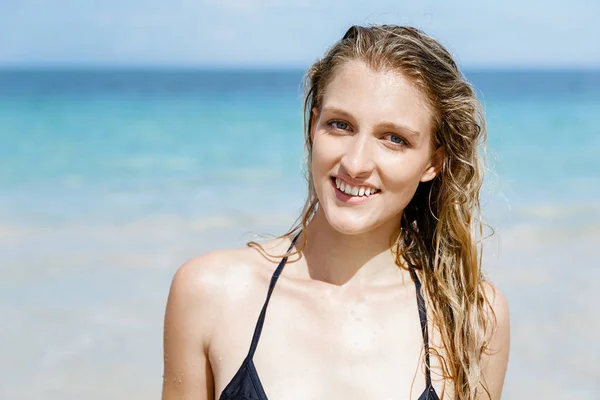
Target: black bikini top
(246, 385)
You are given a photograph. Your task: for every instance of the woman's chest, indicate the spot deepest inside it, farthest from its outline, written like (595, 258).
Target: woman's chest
(312, 348)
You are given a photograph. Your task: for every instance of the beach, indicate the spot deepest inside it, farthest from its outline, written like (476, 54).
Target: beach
(109, 181)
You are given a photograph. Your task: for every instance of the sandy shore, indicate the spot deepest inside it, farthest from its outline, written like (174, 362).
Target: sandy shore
(82, 305)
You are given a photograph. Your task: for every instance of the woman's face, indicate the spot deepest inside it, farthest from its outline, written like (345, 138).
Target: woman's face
(371, 148)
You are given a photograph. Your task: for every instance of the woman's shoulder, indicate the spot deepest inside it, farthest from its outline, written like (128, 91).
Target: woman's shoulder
(210, 291)
(497, 305)
(221, 276)
(496, 354)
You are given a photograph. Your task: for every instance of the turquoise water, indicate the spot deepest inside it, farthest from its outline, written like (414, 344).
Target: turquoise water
(122, 144)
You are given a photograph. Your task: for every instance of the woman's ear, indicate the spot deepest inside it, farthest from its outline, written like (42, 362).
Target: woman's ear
(436, 162)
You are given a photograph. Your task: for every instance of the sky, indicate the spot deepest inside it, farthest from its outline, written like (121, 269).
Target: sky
(293, 33)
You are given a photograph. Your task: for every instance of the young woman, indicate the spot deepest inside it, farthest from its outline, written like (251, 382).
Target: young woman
(382, 294)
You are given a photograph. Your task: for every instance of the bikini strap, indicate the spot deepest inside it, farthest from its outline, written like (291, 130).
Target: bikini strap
(424, 329)
(261, 318)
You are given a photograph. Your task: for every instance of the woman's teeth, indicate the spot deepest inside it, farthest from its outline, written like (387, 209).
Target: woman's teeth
(354, 190)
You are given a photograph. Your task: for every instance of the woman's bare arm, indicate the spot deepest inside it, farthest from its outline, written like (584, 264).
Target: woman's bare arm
(495, 361)
(187, 327)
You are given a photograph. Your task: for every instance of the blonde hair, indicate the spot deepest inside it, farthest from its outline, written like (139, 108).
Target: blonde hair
(441, 227)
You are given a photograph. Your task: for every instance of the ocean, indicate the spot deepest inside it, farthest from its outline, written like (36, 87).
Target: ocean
(111, 179)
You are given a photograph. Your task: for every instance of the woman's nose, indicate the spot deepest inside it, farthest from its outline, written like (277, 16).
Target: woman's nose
(357, 160)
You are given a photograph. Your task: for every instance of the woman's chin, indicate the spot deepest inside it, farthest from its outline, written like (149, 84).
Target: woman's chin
(350, 225)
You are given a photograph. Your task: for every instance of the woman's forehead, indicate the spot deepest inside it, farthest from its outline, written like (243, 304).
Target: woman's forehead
(377, 95)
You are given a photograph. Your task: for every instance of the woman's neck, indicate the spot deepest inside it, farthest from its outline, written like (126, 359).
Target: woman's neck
(341, 259)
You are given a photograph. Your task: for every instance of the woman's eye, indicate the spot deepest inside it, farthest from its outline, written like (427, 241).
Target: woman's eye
(396, 139)
(338, 125)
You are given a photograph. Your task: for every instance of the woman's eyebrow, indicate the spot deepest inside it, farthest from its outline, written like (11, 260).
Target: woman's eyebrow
(401, 128)
(336, 110)
(390, 125)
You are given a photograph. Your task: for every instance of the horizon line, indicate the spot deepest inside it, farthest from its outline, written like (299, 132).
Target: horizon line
(264, 68)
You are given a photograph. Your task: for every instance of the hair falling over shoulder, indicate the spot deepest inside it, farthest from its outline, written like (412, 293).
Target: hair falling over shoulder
(441, 228)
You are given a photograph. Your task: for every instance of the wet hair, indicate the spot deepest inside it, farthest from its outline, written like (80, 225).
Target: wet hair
(441, 227)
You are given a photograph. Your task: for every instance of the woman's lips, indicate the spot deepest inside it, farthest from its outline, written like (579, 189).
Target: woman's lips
(349, 199)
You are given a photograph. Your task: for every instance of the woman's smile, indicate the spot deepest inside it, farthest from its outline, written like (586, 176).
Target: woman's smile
(352, 194)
